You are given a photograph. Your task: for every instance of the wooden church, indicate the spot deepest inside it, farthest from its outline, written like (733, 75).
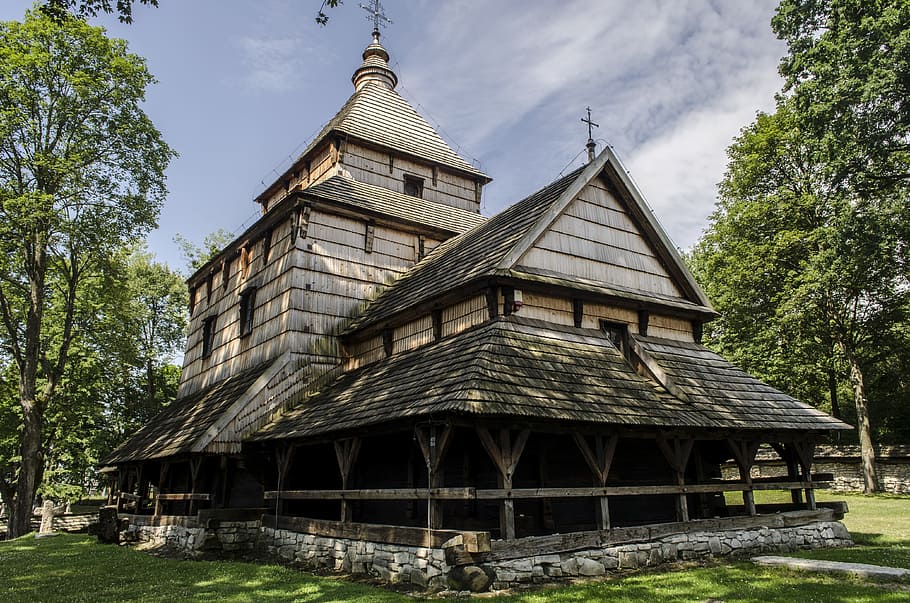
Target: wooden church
(373, 351)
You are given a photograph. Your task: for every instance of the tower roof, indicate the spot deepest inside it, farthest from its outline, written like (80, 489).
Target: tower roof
(377, 115)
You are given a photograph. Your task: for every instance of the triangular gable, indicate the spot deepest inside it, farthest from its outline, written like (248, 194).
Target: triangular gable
(597, 239)
(602, 231)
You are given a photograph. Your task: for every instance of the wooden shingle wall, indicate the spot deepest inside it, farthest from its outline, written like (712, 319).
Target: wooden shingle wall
(273, 316)
(373, 167)
(596, 239)
(304, 293)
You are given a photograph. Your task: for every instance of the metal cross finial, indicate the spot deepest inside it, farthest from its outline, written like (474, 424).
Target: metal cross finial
(590, 123)
(376, 15)
(590, 145)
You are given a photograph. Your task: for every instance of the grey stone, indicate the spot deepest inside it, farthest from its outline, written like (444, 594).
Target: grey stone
(590, 567)
(470, 577)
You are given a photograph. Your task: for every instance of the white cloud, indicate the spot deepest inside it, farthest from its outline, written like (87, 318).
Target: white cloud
(670, 83)
(270, 65)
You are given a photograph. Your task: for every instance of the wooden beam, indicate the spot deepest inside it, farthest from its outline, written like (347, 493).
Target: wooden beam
(599, 461)
(478, 542)
(185, 496)
(522, 493)
(377, 494)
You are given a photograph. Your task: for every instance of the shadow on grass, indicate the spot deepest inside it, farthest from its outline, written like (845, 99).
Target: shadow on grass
(75, 568)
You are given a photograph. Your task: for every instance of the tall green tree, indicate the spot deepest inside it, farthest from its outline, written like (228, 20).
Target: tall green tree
(81, 173)
(807, 276)
(848, 70)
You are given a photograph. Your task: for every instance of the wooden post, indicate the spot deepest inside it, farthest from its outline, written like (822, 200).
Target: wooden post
(744, 454)
(804, 451)
(346, 454)
(433, 449)
(195, 464)
(505, 457)
(284, 456)
(793, 474)
(599, 461)
(677, 452)
(162, 476)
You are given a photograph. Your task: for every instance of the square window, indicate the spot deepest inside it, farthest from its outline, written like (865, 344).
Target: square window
(247, 305)
(208, 336)
(413, 186)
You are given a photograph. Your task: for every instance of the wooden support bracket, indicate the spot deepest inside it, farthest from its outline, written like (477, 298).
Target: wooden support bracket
(346, 451)
(505, 456)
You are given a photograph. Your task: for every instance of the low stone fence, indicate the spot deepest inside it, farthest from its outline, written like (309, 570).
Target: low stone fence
(437, 565)
(892, 464)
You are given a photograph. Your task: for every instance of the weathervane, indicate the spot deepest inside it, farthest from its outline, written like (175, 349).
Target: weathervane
(377, 16)
(591, 146)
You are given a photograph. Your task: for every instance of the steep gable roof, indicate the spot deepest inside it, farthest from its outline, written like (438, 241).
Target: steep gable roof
(498, 246)
(378, 114)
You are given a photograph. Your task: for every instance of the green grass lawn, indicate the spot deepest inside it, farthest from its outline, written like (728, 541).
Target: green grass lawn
(73, 568)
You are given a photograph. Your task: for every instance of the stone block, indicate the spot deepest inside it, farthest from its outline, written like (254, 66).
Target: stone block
(590, 567)
(419, 578)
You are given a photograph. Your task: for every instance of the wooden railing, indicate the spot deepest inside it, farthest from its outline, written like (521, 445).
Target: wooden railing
(525, 493)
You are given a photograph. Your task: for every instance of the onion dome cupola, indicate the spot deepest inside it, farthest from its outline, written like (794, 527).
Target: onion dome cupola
(375, 67)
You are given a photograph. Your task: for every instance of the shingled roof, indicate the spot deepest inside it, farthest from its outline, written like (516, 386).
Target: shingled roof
(383, 202)
(509, 367)
(181, 426)
(730, 396)
(376, 113)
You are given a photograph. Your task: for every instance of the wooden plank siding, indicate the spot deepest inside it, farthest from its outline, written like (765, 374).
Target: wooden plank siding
(557, 310)
(464, 315)
(372, 166)
(596, 239)
(669, 327)
(412, 335)
(231, 354)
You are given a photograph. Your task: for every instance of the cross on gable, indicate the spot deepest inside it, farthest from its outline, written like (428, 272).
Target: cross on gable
(590, 123)
(376, 15)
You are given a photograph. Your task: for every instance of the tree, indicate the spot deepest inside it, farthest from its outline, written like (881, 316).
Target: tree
(81, 173)
(809, 277)
(848, 69)
(197, 255)
(61, 9)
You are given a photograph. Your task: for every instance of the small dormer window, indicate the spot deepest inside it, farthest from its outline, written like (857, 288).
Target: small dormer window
(618, 334)
(413, 186)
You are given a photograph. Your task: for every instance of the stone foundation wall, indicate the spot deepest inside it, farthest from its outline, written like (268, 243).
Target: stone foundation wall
(676, 547)
(892, 465)
(394, 563)
(428, 568)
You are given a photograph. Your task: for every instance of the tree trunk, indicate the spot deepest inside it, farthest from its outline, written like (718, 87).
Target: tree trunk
(30, 470)
(867, 452)
(832, 393)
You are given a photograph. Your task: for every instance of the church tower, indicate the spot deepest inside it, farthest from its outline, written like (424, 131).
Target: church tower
(374, 192)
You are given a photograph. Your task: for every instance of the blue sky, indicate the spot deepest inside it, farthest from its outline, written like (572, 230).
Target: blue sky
(243, 86)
